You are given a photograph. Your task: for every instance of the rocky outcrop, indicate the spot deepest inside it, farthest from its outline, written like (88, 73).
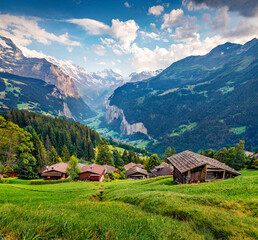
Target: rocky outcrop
(13, 61)
(113, 112)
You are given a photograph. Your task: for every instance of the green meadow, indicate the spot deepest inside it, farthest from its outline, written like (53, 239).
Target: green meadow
(143, 209)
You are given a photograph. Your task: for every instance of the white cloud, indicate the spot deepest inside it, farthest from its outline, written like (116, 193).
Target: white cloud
(153, 27)
(92, 26)
(244, 31)
(173, 18)
(149, 35)
(69, 49)
(102, 63)
(126, 31)
(23, 30)
(99, 49)
(85, 59)
(113, 63)
(156, 10)
(107, 41)
(117, 51)
(221, 20)
(186, 33)
(127, 4)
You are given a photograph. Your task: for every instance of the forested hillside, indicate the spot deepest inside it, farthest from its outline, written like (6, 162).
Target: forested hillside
(199, 102)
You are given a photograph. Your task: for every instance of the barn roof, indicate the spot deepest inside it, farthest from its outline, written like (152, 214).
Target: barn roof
(131, 165)
(163, 169)
(59, 167)
(135, 170)
(93, 168)
(109, 168)
(187, 160)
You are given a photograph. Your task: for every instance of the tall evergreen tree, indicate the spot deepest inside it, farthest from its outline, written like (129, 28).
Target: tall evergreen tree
(153, 161)
(48, 143)
(104, 156)
(240, 157)
(65, 154)
(39, 153)
(91, 152)
(125, 157)
(118, 161)
(53, 157)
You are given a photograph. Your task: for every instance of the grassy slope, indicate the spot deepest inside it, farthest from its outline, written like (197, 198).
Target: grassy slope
(148, 209)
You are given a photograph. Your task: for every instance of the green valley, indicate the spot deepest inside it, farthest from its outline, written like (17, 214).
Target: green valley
(147, 209)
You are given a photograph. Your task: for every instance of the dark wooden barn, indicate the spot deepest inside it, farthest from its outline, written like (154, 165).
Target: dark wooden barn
(191, 167)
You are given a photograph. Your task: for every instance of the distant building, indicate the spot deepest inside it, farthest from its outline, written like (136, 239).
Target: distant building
(255, 155)
(92, 172)
(136, 173)
(55, 172)
(191, 167)
(163, 169)
(131, 165)
(109, 168)
(249, 154)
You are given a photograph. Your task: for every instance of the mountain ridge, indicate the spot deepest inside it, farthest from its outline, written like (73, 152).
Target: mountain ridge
(175, 105)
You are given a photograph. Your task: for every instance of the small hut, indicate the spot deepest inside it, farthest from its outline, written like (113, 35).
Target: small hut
(191, 167)
(136, 173)
(132, 165)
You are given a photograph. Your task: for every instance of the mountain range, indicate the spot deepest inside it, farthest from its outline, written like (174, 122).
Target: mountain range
(96, 87)
(198, 102)
(74, 85)
(61, 87)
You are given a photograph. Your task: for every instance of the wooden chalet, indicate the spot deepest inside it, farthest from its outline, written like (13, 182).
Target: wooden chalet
(191, 167)
(136, 173)
(163, 169)
(92, 172)
(55, 172)
(132, 165)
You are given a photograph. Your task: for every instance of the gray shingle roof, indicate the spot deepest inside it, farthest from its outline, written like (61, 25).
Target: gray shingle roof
(187, 160)
(135, 170)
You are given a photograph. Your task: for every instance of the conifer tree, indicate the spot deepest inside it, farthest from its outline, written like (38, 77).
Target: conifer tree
(104, 156)
(39, 153)
(125, 157)
(91, 152)
(65, 154)
(153, 161)
(118, 161)
(53, 157)
(48, 143)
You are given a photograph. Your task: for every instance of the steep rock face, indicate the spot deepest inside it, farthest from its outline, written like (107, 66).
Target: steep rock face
(13, 61)
(113, 112)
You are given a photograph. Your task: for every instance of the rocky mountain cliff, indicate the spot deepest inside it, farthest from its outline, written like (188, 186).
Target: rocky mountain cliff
(197, 102)
(14, 62)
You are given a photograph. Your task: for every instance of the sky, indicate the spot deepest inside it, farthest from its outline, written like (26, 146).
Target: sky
(126, 36)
